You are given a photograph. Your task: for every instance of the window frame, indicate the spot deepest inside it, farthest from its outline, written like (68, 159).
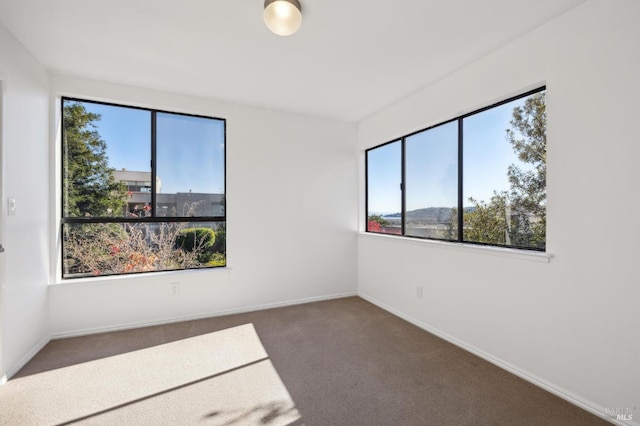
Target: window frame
(65, 220)
(460, 207)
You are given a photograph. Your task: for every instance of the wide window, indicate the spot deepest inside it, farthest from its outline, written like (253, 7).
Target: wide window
(479, 178)
(142, 190)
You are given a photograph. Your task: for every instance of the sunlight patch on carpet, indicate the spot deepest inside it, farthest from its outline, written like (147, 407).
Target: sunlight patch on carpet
(224, 377)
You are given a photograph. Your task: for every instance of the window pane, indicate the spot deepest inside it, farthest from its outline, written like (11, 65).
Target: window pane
(432, 183)
(504, 174)
(190, 171)
(123, 248)
(104, 147)
(384, 202)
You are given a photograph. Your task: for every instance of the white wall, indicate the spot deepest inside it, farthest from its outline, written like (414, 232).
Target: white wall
(571, 323)
(25, 136)
(291, 206)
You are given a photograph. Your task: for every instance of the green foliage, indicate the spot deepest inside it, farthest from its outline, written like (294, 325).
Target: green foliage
(191, 239)
(517, 217)
(200, 240)
(220, 245)
(217, 259)
(487, 222)
(528, 195)
(116, 248)
(89, 186)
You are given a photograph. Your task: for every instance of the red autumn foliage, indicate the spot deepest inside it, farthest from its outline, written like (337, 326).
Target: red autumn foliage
(374, 226)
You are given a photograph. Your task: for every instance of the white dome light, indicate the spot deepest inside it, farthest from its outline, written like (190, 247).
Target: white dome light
(283, 17)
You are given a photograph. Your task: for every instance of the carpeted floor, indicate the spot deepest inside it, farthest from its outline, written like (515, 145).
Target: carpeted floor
(339, 362)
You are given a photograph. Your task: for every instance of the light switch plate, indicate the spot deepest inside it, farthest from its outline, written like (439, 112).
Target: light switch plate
(11, 206)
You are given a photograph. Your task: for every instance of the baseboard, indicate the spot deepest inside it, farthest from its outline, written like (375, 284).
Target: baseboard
(169, 320)
(531, 378)
(25, 359)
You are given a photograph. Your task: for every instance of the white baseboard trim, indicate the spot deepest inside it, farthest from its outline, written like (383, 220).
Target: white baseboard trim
(25, 359)
(169, 320)
(531, 378)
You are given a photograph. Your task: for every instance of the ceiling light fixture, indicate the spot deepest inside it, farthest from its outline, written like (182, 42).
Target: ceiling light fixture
(283, 17)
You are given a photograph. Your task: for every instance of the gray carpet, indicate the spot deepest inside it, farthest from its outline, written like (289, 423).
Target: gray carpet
(339, 362)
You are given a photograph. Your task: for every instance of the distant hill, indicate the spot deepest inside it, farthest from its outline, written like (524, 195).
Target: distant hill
(428, 214)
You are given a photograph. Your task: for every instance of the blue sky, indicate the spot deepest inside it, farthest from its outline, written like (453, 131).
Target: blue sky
(190, 150)
(190, 155)
(431, 164)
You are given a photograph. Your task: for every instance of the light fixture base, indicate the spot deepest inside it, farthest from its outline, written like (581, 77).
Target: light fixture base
(296, 3)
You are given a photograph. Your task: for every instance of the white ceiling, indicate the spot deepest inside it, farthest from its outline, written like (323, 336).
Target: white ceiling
(350, 59)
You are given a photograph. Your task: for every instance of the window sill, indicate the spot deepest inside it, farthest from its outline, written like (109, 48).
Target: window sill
(532, 256)
(113, 279)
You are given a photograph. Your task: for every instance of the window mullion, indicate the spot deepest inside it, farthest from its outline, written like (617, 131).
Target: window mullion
(403, 186)
(460, 176)
(366, 192)
(153, 164)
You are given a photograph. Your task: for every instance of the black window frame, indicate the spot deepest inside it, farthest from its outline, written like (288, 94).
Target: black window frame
(460, 206)
(64, 220)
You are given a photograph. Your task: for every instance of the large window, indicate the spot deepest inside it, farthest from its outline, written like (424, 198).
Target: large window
(142, 190)
(479, 178)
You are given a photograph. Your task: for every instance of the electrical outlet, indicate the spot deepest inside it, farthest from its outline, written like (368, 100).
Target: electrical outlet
(419, 292)
(175, 289)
